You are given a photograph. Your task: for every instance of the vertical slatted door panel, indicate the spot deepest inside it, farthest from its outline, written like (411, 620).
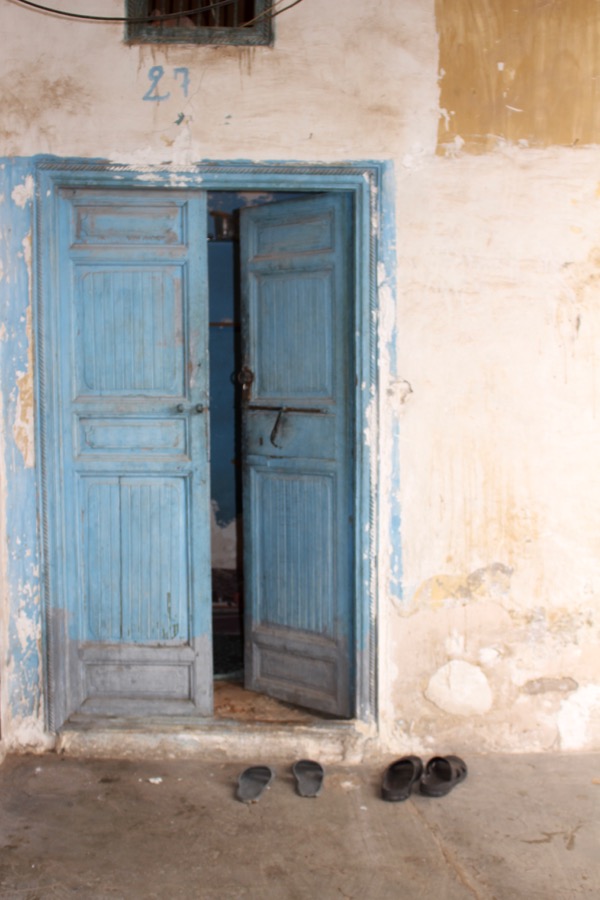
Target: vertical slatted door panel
(298, 495)
(155, 570)
(133, 341)
(101, 558)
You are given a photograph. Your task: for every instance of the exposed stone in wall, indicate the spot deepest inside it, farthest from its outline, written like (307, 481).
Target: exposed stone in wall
(460, 688)
(518, 71)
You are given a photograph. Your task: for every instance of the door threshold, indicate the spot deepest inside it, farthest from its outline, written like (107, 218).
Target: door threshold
(159, 737)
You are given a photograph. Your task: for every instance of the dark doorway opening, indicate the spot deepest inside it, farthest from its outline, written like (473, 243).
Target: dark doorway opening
(225, 441)
(225, 349)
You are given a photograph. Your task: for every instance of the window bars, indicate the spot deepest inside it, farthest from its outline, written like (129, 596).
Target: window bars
(214, 22)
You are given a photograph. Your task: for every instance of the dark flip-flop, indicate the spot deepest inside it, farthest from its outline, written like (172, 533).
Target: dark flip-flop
(252, 782)
(442, 773)
(309, 777)
(399, 778)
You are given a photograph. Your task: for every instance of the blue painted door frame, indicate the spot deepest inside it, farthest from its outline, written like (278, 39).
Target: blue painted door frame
(360, 182)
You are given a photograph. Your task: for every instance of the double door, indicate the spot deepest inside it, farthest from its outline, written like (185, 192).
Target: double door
(126, 353)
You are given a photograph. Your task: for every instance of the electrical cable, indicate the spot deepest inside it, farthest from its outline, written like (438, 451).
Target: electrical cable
(137, 20)
(269, 12)
(278, 13)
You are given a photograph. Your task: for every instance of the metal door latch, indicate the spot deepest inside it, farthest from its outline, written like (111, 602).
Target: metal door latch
(245, 376)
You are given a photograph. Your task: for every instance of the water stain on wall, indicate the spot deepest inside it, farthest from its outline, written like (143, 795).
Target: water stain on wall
(518, 71)
(33, 96)
(449, 590)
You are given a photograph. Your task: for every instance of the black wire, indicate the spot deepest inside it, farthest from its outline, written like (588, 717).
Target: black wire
(134, 21)
(278, 13)
(269, 12)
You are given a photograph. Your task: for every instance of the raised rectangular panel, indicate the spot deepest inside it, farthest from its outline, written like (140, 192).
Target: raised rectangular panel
(294, 562)
(282, 665)
(146, 437)
(129, 330)
(154, 515)
(126, 679)
(134, 559)
(294, 318)
(301, 236)
(104, 224)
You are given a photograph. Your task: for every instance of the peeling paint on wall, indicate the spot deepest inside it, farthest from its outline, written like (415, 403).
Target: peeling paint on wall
(27, 735)
(21, 633)
(22, 194)
(24, 407)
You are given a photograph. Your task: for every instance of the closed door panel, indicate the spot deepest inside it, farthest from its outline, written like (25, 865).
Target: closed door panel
(131, 505)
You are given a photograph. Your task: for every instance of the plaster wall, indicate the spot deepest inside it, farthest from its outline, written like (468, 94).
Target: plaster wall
(487, 480)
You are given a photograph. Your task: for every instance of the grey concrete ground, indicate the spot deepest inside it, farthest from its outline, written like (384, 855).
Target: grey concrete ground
(518, 827)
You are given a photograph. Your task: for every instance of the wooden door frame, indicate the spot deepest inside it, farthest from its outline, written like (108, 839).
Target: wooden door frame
(363, 182)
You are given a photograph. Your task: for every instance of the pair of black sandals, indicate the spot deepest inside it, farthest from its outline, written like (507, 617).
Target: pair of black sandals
(255, 780)
(436, 779)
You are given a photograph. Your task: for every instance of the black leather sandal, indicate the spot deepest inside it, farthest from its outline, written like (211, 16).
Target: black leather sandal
(399, 778)
(442, 774)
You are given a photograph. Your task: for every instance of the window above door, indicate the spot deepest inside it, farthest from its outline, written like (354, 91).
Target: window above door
(236, 22)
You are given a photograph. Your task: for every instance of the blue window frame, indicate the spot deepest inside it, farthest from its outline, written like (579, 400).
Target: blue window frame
(242, 22)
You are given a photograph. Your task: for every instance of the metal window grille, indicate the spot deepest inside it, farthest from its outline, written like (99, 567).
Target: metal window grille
(234, 22)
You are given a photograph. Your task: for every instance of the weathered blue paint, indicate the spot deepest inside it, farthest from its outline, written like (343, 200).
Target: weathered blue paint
(180, 76)
(155, 74)
(123, 359)
(21, 614)
(298, 439)
(371, 186)
(185, 78)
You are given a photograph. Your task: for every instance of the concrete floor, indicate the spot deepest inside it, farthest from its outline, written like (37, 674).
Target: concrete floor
(518, 827)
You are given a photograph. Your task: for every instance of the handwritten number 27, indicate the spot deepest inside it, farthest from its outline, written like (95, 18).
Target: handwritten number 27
(156, 73)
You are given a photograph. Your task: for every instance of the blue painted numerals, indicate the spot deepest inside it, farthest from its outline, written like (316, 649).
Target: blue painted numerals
(156, 74)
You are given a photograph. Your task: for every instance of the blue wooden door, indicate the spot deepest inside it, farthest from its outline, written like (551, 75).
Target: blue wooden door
(129, 364)
(297, 303)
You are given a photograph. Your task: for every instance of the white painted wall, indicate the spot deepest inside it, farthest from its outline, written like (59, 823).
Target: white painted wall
(493, 641)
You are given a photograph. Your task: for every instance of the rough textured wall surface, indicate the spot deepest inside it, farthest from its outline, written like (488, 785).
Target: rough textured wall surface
(489, 387)
(518, 71)
(499, 440)
(337, 71)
